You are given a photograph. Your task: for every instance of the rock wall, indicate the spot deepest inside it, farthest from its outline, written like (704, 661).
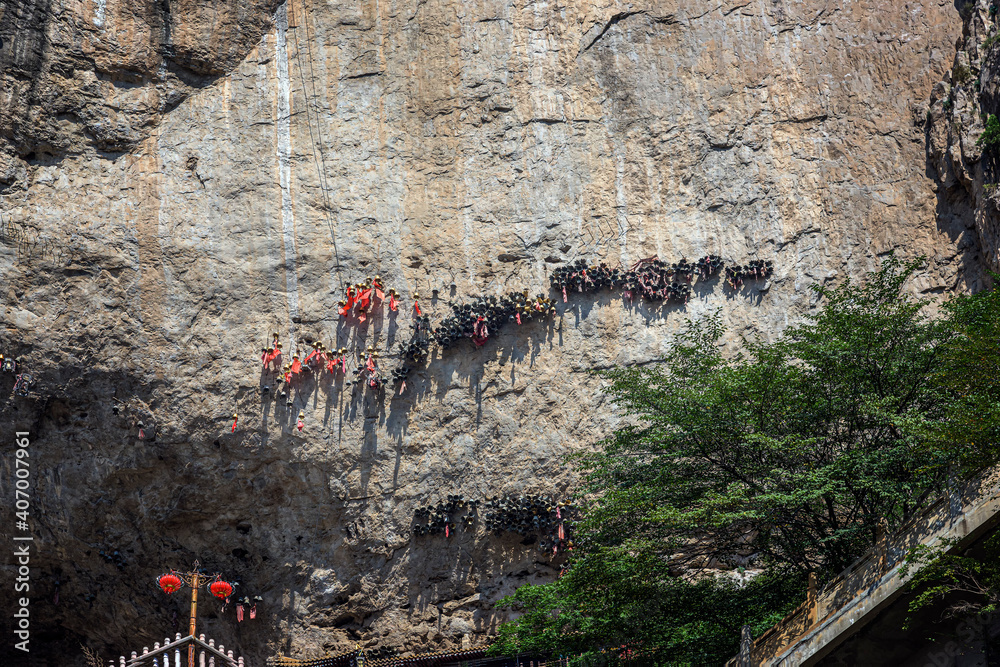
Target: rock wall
(959, 106)
(93, 76)
(179, 184)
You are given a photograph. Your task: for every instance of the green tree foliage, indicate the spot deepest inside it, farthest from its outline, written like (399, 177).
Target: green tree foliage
(613, 606)
(786, 458)
(991, 133)
(970, 370)
(940, 574)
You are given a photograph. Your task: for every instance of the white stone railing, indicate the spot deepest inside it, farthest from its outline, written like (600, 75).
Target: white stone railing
(207, 654)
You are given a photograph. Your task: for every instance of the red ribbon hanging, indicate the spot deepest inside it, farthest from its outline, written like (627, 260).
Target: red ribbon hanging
(643, 261)
(480, 332)
(234, 424)
(239, 613)
(299, 424)
(416, 306)
(392, 303)
(364, 299)
(346, 308)
(296, 366)
(253, 611)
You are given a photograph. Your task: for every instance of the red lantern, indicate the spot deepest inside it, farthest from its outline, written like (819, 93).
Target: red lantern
(170, 583)
(221, 589)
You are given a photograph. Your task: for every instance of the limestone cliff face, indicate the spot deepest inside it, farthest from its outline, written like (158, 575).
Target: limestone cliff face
(182, 183)
(958, 108)
(94, 76)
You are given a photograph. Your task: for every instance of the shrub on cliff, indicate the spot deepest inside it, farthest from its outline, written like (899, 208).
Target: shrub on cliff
(991, 133)
(785, 459)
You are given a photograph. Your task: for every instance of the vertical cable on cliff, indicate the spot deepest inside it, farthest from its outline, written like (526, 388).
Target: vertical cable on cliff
(319, 160)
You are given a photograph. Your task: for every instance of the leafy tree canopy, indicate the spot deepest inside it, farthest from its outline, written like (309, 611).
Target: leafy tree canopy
(968, 582)
(784, 459)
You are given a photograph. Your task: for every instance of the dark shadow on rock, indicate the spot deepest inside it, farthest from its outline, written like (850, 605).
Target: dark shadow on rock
(955, 216)
(199, 491)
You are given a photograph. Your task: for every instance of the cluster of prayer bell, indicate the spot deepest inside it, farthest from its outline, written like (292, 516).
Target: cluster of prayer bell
(651, 279)
(484, 315)
(528, 516)
(758, 269)
(442, 518)
(415, 350)
(114, 557)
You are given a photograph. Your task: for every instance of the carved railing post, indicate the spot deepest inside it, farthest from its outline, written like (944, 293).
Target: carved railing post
(746, 647)
(813, 599)
(882, 544)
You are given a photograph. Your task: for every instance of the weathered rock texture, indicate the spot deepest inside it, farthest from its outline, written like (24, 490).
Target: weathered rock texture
(959, 106)
(90, 76)
(203, 178)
